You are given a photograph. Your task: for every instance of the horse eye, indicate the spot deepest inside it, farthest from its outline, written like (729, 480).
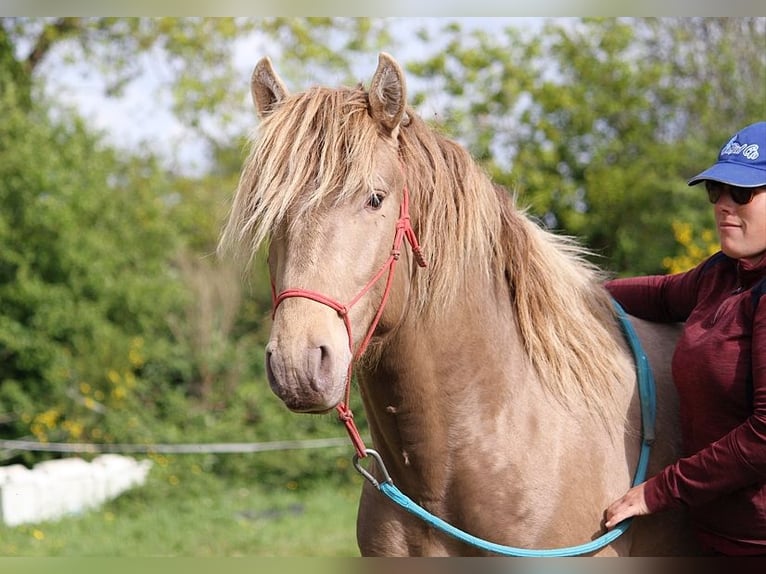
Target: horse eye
(375, 201)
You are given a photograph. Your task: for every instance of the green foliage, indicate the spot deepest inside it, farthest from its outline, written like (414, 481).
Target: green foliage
(195, 50)
(116, 323)
(13, 78)
(192, 56)
(83, 282)
(597, 123)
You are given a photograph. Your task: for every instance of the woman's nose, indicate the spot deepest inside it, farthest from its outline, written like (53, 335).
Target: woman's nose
(725, 203)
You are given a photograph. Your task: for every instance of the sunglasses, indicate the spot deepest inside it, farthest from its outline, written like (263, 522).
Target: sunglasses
(740, 195)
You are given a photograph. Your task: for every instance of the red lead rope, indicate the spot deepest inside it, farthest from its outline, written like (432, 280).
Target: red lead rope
(403, 231)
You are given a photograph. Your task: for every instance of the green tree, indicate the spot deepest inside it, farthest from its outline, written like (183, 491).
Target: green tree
(84, 285)
(117, 322)
(598, 122)
(194, 57)
(13, 76)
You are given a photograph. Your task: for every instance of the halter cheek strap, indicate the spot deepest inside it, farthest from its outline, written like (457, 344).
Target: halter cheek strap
(403, 231)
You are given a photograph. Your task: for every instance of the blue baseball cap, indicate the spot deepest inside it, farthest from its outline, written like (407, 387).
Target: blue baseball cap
(742, 161)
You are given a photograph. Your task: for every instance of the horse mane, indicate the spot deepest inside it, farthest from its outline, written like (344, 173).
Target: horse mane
(322, 140)
(564, 315)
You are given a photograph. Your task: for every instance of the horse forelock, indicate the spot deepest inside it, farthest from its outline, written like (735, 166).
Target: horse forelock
(315, 148)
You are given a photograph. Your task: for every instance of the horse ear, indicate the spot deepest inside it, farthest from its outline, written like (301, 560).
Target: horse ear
(388, 93)
(266, 88)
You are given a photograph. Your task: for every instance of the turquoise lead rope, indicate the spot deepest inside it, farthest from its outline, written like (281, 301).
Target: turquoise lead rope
(647, 395)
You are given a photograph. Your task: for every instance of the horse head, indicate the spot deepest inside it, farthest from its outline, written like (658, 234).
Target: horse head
(324, 182)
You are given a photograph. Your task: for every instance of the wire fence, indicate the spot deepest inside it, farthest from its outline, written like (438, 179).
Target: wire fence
(191, 448)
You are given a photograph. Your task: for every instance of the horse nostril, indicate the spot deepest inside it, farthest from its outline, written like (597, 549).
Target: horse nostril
(326, 362)
(269, 368)
(320, 366)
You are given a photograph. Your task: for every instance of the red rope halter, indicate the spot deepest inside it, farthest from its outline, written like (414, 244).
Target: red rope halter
(403, 231)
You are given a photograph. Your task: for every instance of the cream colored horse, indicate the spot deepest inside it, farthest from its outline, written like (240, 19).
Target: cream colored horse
(498, 387)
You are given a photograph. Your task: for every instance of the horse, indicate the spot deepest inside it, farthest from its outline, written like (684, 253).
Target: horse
(498, 387)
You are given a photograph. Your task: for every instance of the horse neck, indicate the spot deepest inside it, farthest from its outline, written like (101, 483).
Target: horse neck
(437, 375)
(452, 386)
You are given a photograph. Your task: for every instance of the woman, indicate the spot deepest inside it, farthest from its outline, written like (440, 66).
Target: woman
(719, 365)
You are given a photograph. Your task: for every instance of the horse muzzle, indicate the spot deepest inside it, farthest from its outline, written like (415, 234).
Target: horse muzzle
(307, 378)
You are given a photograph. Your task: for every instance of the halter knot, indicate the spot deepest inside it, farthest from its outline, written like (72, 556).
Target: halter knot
(342, 310)
(344, 413)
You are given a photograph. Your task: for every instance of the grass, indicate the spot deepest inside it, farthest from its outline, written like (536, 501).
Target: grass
(183, 511)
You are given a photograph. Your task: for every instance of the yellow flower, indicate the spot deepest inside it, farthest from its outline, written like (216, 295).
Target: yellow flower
(74, 428)
(159, 459)
(39, 431)
(113, 376)
(135, 356)
(48, 418)
(696, 250)
(130, 380)
(682, 232)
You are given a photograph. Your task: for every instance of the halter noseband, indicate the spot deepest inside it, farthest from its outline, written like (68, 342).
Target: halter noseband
(403, 231)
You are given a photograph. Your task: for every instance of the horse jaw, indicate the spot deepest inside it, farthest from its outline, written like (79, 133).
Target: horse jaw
(306, 364)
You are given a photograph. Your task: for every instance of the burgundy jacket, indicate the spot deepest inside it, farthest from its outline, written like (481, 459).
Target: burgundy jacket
(719, 369)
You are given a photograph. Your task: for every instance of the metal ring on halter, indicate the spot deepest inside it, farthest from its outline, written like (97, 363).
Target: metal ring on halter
(366, 474)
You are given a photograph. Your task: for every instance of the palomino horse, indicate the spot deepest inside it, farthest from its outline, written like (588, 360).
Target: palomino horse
(499, 389)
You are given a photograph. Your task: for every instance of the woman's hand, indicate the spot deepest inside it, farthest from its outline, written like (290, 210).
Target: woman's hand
(633, 503)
